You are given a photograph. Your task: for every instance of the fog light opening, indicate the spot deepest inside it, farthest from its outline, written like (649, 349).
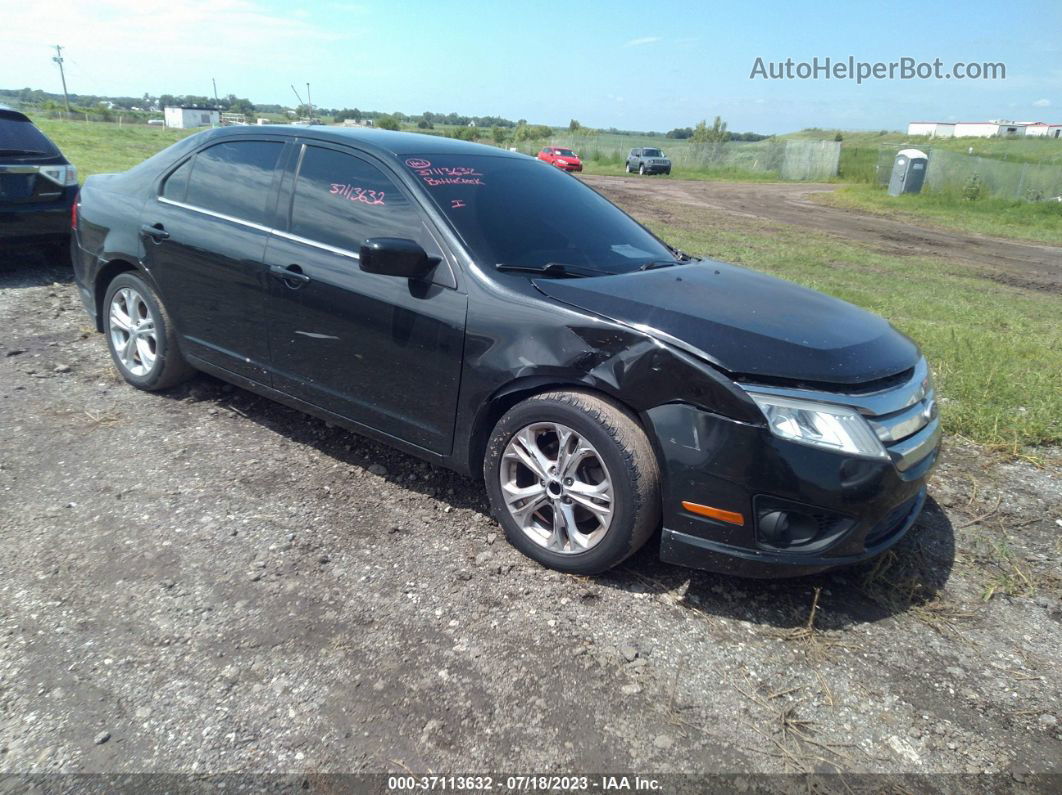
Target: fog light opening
(787, 528)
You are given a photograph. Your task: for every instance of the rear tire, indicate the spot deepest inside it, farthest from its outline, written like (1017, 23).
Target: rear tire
(141, 336)
(627, 167)
(573, 480)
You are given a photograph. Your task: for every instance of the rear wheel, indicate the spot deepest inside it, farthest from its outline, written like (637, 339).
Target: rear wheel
(141, 338)
(573, 480)
(627, 167)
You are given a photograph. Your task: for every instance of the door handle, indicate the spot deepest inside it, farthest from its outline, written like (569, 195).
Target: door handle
(292, 275)
(156, 232)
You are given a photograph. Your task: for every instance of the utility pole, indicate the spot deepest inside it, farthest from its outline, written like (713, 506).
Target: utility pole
(58, 58)
(309, 102)
(215, 82)
(296, 93)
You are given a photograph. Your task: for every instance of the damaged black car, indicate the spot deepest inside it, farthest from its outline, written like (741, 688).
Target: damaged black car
(504, 320)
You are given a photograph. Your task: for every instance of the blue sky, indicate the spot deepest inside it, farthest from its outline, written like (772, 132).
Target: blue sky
(632, 65)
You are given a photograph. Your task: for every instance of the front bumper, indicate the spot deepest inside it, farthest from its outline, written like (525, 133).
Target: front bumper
(657, 168)
(569, 166)
(860, 506)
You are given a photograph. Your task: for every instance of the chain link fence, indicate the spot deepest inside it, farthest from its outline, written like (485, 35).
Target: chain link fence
(788, 160)
(974, 177)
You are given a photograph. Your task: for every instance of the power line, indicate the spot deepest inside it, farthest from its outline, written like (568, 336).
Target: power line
(58, 58)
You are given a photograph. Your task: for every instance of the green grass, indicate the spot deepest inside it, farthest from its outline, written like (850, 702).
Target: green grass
(99, 147)
(996, 351)
(1036, 221)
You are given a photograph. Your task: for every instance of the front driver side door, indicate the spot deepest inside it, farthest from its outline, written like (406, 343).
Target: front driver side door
(382, 351)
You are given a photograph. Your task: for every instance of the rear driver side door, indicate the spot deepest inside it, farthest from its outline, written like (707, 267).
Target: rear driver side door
(382, 351)
(204, 237)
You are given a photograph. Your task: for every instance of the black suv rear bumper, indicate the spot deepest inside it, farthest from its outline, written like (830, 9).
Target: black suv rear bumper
(37, 222)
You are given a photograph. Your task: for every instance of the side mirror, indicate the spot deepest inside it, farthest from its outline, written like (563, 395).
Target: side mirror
(395, 256)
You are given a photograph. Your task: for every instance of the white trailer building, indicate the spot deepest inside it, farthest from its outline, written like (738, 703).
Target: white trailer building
(187, 117)
(1041, 129)
(934, 129)
(970, 129)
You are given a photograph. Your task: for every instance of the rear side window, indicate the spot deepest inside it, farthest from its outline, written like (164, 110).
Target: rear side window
(341, 200)
(18, 137)
(234, 178)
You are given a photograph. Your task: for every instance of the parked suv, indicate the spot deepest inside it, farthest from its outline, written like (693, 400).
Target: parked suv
(648, 161)
(484, 313)
(37, 188)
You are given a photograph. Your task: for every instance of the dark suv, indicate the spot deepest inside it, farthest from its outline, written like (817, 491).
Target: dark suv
(648, 160)
(37, 188)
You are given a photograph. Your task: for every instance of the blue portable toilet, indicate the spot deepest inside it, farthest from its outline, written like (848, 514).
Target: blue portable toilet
(908, 172)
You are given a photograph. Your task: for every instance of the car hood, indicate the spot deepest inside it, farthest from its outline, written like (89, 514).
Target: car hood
(745, 322)
(569, 158)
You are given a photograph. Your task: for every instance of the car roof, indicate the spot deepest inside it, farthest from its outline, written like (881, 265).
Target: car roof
(12, 114)
(381, 142)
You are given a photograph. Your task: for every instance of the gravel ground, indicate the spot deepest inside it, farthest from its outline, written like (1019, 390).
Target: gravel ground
(204, 581)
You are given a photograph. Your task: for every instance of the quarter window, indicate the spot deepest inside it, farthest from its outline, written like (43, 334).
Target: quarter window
(341, 200)
(234, 178)
(176, 185)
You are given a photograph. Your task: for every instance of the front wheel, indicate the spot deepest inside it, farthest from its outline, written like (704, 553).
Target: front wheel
(140, 335)
(641, 169)
(572, 479)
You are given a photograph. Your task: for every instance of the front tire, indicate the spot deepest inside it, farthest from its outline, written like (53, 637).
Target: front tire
(573, 480)
(141, 336)
(641, 169)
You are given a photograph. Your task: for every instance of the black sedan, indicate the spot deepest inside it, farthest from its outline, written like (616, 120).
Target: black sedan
(37, 188)
(470, 307)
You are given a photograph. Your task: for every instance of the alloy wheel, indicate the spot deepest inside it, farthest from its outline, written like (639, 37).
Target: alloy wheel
(557, 488)
(133, 332)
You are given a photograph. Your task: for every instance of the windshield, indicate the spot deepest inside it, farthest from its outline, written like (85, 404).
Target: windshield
(564, 152)
(17, 136)
(512, 211)
(653, 153)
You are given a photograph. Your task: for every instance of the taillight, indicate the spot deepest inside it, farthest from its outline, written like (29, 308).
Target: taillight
(60, 175)
(73, 211)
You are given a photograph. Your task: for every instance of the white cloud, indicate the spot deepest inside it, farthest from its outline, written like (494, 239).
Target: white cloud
(642, 41)
(1042, 103)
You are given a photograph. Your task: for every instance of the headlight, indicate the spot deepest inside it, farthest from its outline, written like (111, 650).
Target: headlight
(60, 175)
(837, 428)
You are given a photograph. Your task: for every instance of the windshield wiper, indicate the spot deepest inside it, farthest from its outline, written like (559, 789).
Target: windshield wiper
(663, 263)
(556, 269)
(22, 152)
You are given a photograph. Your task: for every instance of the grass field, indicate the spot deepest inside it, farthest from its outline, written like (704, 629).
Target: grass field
(97, 148)
(996, 350)
(1040, 222)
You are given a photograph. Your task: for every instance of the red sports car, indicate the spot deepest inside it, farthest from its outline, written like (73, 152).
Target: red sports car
(564, 159)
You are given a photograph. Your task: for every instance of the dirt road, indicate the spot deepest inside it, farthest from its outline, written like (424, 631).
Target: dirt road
(204, 581)
(1020, 264)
